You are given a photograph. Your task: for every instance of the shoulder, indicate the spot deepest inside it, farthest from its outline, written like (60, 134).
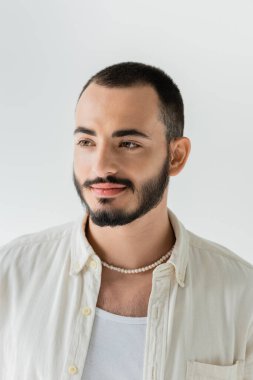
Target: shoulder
(32, 243)
(215, 256)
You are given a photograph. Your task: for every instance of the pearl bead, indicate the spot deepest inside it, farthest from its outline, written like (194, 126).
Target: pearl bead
(122, 270)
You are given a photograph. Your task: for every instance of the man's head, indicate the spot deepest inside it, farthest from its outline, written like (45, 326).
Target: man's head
(129, 131)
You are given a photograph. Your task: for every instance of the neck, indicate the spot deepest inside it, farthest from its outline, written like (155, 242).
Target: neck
(135, 245)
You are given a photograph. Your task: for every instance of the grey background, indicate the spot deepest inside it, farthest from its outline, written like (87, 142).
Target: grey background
(48, 51)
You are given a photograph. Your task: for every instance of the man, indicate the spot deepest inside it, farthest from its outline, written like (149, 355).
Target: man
(125, 292)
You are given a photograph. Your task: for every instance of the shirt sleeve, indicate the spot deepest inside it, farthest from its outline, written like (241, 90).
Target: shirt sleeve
(248, 370)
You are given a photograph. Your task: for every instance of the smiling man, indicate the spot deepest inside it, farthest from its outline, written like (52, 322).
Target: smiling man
(126, 291)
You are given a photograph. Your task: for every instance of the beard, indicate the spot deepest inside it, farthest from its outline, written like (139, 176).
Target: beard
(148, 197)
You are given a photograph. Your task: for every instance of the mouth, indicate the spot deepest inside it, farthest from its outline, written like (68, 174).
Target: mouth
(108, 192)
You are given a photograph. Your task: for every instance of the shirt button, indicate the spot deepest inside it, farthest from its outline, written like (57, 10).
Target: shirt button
(86, 310)
(72, 370)
(93, 264)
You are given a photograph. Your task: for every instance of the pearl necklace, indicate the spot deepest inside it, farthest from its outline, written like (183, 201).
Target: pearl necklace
(144, 269)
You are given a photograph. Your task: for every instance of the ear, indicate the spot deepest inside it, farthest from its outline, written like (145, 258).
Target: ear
(180, 148)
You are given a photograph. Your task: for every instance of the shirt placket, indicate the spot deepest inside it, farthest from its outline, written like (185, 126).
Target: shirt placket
(74, 365)
(157, 325)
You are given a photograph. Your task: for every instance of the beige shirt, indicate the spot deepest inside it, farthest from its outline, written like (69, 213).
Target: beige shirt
(200, 311)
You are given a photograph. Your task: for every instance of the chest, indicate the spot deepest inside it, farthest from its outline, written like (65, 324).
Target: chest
(123, 301)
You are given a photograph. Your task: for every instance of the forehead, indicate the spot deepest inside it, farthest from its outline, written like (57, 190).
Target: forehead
(138, 103)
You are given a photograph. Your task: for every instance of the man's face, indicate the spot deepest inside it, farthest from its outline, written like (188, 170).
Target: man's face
(139, 163)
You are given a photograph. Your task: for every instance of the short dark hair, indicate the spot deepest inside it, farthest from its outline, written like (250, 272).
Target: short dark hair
(126, 74)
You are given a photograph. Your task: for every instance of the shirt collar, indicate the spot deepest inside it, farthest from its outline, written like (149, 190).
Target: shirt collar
(81, 250)
(180, 253)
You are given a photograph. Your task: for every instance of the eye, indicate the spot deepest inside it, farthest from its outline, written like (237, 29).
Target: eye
(134, 145)
(83, 141)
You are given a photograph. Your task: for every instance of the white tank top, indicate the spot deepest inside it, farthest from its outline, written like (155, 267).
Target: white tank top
(116, 348)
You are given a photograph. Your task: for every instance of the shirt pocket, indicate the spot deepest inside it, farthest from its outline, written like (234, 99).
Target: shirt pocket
(203, 371)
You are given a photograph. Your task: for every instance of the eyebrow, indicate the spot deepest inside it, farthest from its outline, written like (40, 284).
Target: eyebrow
(119, 133)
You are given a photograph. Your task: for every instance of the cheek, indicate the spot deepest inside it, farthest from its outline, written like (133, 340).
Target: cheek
(80, 165)
(139, 165)
(82, 160)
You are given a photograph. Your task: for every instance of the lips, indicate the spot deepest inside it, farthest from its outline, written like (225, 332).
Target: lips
(108, 192)
(108, 186)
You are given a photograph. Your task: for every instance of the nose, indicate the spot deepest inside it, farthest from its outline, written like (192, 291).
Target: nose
(104, 162)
